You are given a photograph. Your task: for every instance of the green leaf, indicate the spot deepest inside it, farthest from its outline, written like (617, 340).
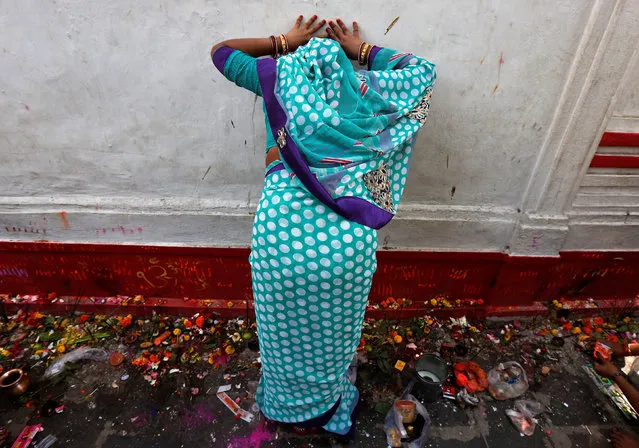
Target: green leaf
(383, 408)
(46, 337)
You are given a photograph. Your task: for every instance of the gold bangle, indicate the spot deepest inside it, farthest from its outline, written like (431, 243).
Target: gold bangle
(368, 54)
(363, 53)
(359, 52)
(284, 44)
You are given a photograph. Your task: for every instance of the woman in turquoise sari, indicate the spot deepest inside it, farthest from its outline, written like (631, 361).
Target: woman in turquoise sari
(339, 143)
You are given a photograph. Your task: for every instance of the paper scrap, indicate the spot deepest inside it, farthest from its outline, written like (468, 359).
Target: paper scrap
(229, 403)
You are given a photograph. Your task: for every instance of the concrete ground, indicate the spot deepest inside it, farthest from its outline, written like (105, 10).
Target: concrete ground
(104, 408)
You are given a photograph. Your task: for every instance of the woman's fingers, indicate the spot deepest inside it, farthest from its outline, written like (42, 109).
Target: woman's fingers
(342, 26)
(317, 26)
(298, 22)
(330, 34)
(355, 29)
(310, 21)
(336, 29)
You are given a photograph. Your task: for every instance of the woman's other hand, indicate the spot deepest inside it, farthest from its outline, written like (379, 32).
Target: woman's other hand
(618, 350)
(302, 32)
(350, 42)
(605, 368)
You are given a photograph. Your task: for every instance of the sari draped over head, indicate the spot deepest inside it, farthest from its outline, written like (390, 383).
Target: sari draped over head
(347, 135)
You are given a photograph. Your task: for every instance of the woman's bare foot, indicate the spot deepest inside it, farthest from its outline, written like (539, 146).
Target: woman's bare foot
(621, 439)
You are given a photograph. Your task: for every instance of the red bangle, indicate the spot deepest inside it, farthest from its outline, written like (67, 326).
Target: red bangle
(274, 45)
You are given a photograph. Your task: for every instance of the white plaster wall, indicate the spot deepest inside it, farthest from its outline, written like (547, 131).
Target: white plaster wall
(625, 116)
(112, 111)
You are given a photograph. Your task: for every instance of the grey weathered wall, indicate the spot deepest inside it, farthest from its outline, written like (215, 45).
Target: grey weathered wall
(112, 112)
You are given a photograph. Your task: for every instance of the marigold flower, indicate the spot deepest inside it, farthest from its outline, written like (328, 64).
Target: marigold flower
(507, 337)
(599, 321)
(397, 338)
(177, 331)
(229, 350)
(187, 323)
(199, 322)
(126, 321)
(613, 338)
(576, 330)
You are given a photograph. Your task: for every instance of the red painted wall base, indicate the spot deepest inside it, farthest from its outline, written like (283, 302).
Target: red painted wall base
(212, 277)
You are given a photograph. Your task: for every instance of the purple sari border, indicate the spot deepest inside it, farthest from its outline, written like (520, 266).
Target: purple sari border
(274, 169)
(220, 57)
(372, 55)
(352, 208)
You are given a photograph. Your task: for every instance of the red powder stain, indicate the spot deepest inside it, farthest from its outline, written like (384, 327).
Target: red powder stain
(63, 218)
(254, 440)
(26, 107)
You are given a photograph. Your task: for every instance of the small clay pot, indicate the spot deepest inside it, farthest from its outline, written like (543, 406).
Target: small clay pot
(14, 382)
(406, 409)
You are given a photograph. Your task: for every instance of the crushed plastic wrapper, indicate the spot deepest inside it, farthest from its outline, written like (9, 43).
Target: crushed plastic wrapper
(507, 380)
(523, 416)
(47, 442)
(93, 354)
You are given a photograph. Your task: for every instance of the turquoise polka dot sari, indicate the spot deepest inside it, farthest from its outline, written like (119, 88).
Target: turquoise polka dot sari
(345, 138)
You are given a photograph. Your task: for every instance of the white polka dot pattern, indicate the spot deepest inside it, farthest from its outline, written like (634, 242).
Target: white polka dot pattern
(304, 262)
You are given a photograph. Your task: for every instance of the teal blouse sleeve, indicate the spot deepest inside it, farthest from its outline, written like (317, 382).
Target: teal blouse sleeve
(241, 69)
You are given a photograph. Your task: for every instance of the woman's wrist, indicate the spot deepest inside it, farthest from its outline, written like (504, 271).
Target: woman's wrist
(280, 45)
(363, 52)
(615, 376)
(292, 42)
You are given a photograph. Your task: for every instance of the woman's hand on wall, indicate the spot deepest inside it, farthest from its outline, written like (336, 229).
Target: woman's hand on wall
(302, 32)
(350, 42)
